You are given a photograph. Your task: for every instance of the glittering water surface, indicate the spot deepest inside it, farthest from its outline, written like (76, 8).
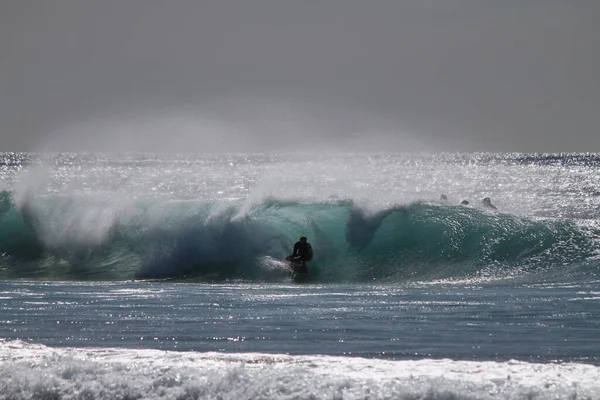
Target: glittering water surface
(544, 323)
(543, 184)
(152, 276)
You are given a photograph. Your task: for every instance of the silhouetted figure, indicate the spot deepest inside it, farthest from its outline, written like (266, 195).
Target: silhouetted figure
(487, 203)
(302, 253)
(443, 198)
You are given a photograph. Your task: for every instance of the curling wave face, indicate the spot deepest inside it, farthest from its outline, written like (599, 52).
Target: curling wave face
(56, 237)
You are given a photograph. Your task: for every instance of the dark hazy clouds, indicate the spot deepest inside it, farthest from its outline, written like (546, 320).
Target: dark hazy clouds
(253, 75)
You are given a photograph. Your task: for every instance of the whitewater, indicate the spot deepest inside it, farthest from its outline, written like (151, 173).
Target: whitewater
(148, 276)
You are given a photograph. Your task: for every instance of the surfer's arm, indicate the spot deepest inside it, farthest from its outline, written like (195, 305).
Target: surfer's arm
(296, 250)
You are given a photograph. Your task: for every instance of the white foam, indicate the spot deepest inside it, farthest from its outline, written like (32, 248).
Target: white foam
(36, 371)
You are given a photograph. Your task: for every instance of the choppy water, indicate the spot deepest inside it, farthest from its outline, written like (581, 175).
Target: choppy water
(145, 276)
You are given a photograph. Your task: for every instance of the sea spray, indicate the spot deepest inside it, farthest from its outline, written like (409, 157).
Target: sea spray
(77, 237)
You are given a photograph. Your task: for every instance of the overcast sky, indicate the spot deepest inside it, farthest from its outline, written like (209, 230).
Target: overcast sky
(253, 75)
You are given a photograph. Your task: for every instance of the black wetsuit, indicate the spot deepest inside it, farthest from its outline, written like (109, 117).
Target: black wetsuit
(302, 251)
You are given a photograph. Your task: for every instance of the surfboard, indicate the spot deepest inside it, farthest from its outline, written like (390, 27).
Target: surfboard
(298, 270)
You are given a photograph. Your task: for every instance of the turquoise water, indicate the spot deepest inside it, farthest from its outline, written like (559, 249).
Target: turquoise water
(146, 276)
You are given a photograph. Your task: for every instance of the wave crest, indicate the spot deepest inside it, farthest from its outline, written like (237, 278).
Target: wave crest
(77, 238)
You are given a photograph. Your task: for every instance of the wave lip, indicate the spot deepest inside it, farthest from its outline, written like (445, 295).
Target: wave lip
(79, 238)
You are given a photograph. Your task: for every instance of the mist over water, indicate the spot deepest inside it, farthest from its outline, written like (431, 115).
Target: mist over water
(239, 124)
(348, 76)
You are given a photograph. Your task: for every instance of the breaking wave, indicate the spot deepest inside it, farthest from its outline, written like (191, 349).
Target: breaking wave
(56, 237)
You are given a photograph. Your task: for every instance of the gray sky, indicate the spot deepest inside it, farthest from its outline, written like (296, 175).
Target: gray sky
(253, 75)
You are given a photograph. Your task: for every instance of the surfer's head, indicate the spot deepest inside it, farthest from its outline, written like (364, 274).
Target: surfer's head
(303, 238)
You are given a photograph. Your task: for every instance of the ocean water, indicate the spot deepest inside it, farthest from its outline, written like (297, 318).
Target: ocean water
(143, 276)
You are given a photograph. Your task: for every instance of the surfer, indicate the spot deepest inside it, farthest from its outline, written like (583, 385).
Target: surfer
(302, 253)
(487, 203)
